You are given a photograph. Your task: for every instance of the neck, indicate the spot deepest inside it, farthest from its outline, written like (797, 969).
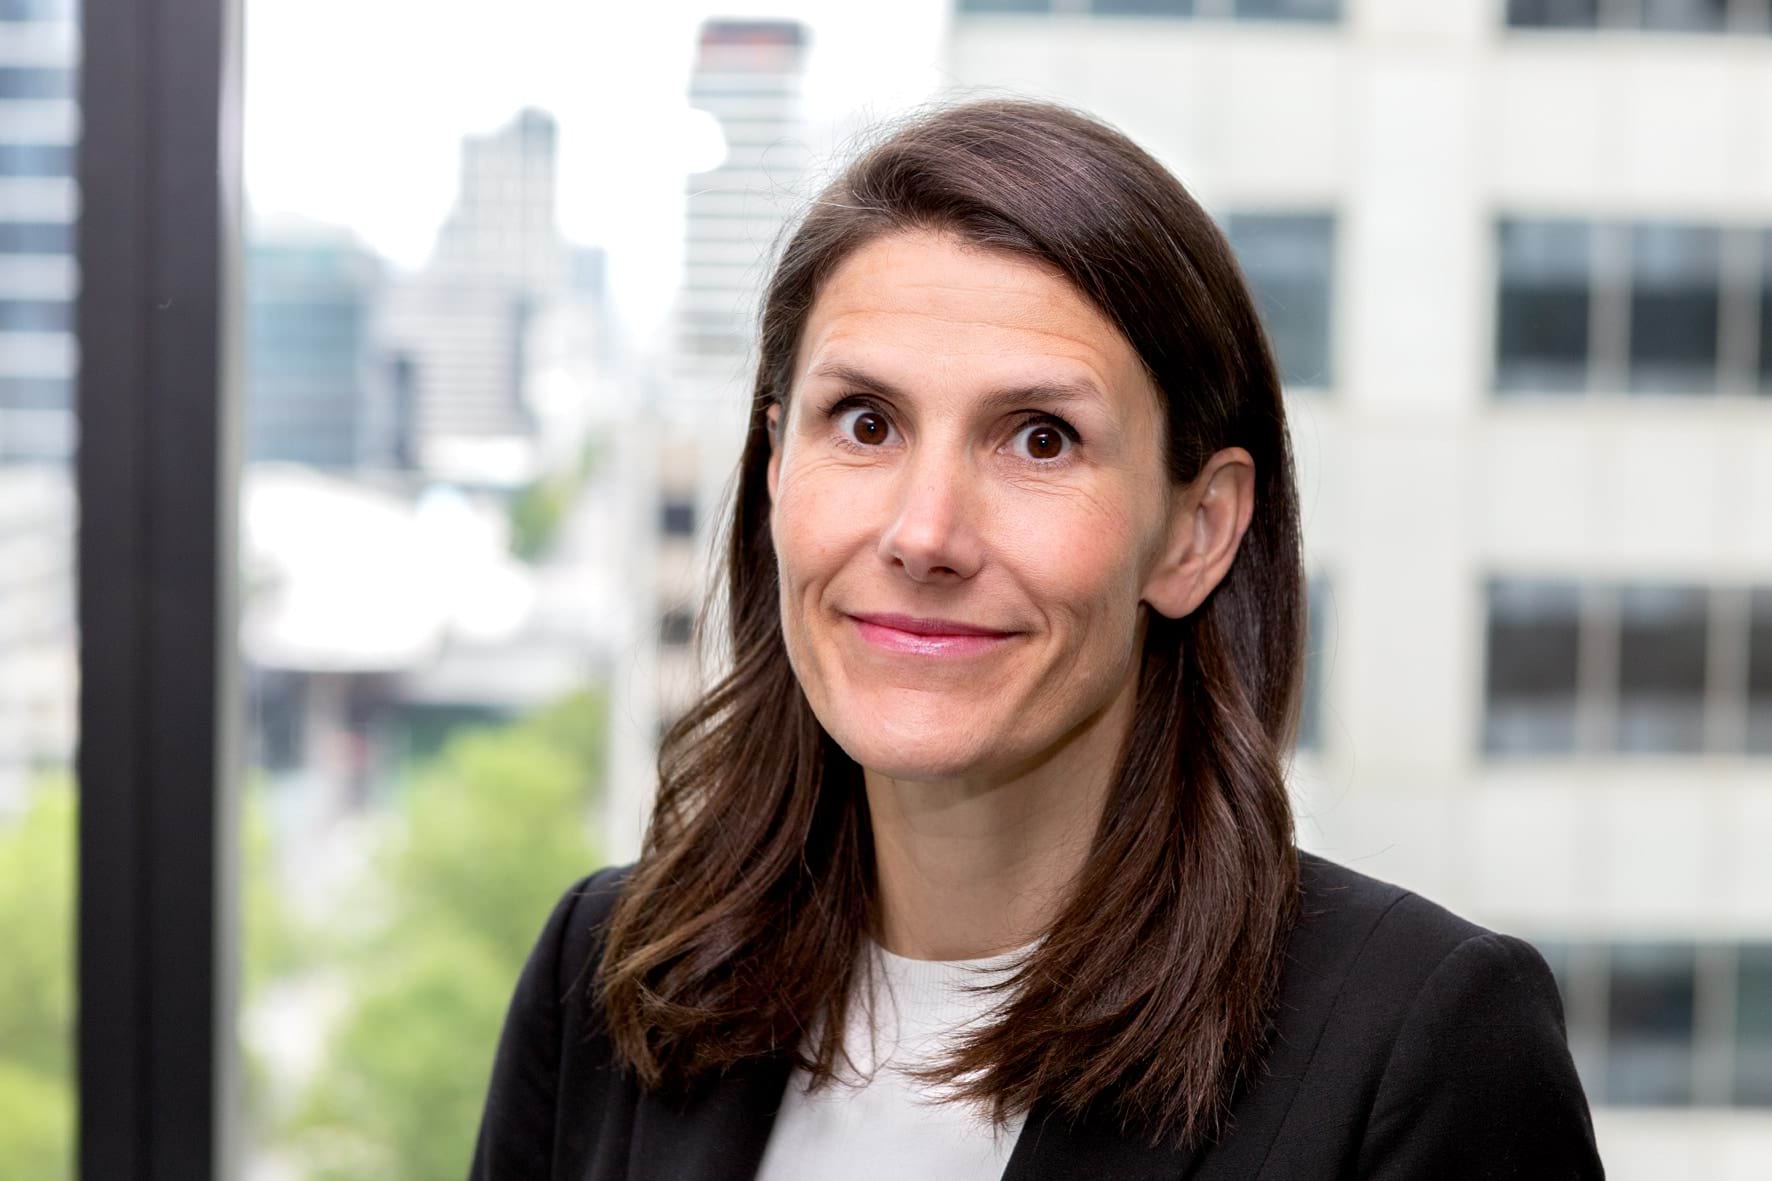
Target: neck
(978, 865)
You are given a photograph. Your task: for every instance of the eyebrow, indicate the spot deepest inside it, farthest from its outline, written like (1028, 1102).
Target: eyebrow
(1047, 393)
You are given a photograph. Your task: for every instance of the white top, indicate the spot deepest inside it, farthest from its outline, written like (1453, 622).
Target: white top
(887, 1126)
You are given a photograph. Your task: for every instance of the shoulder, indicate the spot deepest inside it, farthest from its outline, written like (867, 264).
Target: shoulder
(1373, 954)
(1373, 927)
(1435, 1031)
(573, 935)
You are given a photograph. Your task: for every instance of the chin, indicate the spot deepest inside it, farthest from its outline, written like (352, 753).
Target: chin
(915, 748)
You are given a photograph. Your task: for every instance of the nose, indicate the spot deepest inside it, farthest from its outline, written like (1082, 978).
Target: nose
(932, 534)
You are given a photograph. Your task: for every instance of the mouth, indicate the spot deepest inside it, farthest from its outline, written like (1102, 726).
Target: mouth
(927, 637)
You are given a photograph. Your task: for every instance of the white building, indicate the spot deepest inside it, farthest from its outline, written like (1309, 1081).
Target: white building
(39, 281)
(461, 330)
(1536, 471)
(748, 75)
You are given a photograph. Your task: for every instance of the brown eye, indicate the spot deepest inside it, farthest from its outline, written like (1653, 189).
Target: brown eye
(868, 426)
(1044, 441)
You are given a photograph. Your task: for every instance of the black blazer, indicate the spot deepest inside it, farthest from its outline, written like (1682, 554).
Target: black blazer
(1409, 1043)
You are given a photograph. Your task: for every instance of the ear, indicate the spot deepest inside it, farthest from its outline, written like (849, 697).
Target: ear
(1207, 521)
(772, 423)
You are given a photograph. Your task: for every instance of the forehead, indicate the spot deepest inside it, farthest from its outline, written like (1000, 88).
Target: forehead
(928, 301)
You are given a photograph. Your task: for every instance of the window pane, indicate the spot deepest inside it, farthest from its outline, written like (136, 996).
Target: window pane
(1759, 672)
(1753, 1025)
(1318, 641)
(1300, 10)
(1553, 14)
(38, 640)
(1290, 263)
(1685, 16)
(1651, 1005)
(1542, 321)
(1005, 5)
(1661, 662)
(1533, 648)
(1766, 312)
(1675, 295)
(1142, 7)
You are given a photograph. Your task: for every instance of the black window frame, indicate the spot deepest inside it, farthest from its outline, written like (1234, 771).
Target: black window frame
(157, 472)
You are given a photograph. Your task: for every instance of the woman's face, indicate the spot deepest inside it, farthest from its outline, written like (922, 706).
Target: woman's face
(970, 501)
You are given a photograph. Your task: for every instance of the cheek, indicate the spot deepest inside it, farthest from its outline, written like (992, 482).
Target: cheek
(1080, 558)
(810, 526)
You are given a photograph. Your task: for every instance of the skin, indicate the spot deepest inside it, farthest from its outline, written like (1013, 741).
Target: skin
(985, 775)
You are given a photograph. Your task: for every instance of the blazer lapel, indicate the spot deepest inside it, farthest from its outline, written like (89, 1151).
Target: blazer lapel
(719, 1132)
(1052, 1148)
(723, 1129)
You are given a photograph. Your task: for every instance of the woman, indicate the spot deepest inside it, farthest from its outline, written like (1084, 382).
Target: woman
(979, 862)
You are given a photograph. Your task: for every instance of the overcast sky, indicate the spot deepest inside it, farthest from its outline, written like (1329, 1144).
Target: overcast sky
(355, 108)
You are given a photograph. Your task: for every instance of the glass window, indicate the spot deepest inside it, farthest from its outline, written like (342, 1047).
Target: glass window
(1297, 10)
(25, 237)
(1685, 16)
(1318, 640)
(1674, 307)
(676, 627)
(1759, 671)
(36, 315)
(1553, 14)
(1005, 5)
(1651, 1006)
(1753, 1025)
(18, 159)
(1766, 312)
(1661, 668)
(36, 82)
(1142, 7)
(39, 643)
(677, 516)
(1542, 337)
(1290, 263)
(1534, 631)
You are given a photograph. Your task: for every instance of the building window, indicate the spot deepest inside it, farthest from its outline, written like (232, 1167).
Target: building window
(1675, 302)
(1546, 271)
(1651, 1012)
(1765, 318)
(1143, 7)
(1654, 16)
(1753, 1026)
(1005, 5)
(1290, 10)
(1323, 11)
(1611, 669)
(1661, 669)
(1553, 14)
(1638, 306)
(677, 516)
(1533, 664)
(1289, 259)
(1319, 638)
(1759, 672)
(1668, 1023)
(675, 627)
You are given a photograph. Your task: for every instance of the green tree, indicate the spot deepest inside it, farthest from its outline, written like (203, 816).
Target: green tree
(37, 984)
(495, 828)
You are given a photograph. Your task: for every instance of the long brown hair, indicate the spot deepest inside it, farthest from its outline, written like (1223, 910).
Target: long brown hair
(738, 931)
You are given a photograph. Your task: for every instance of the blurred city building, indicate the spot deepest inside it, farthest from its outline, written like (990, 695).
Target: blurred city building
(749, 75)
(39, 279)
(460, 332)
(1517, 263)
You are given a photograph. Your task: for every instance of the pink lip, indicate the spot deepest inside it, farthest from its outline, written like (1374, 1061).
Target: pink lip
(926, 637)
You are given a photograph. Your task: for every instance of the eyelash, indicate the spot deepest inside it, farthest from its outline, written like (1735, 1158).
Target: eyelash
(1039, 418)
